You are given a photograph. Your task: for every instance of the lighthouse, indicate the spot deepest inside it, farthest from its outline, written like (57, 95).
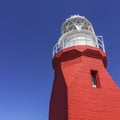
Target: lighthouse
(82, 87)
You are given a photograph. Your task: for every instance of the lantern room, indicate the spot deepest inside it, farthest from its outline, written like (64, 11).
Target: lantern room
(76, 31)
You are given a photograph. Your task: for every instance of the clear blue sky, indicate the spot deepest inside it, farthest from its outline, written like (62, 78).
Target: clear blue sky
(28, 31)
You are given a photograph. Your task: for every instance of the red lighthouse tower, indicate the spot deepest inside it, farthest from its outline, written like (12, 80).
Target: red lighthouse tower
(82, 88)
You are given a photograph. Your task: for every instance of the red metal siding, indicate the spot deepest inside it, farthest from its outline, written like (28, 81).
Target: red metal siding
(73, 97)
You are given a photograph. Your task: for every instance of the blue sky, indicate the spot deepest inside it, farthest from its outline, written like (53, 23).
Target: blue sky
(28, 31)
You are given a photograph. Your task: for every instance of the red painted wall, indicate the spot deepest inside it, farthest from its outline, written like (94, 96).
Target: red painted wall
(73, 97)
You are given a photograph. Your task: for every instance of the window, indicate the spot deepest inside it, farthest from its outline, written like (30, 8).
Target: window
(95, 79)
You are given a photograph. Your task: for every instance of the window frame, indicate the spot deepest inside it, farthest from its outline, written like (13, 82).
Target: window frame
(95, 79)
